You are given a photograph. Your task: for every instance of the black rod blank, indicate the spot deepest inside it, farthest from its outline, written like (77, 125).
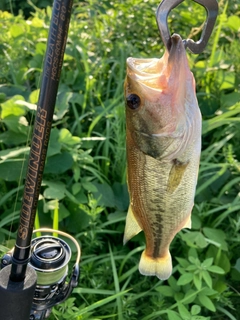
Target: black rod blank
(42, 127)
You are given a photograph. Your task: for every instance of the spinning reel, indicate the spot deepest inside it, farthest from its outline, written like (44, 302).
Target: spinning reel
(50, 257)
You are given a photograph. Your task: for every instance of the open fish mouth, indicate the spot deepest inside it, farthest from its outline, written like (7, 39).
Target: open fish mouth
(157, 73)
(144, 67)
(145, 71)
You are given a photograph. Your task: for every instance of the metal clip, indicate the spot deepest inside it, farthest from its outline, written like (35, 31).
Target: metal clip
(163, 11)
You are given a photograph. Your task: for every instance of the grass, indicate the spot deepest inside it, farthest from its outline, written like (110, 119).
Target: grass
(84, 190)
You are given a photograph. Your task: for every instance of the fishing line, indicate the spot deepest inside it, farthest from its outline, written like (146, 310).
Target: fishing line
(17, 194)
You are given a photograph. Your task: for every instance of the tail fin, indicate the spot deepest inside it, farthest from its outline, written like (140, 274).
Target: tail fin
(160, 267)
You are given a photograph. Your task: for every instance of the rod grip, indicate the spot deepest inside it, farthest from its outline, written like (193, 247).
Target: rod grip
(16, 297)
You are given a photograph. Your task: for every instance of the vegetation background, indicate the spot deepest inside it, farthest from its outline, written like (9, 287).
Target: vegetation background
(84, 190)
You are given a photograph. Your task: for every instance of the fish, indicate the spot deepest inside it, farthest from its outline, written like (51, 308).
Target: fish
(163, 146)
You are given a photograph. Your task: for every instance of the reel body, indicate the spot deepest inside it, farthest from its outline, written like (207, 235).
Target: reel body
(49, 257)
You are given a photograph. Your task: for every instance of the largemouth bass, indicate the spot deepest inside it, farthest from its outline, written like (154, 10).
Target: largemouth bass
(163, 132)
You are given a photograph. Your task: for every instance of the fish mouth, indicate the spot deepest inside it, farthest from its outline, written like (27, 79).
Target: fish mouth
(143, 67)
(144, 71)
(155, 73)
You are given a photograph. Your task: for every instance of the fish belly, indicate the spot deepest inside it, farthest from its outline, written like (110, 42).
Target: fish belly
(161, 200)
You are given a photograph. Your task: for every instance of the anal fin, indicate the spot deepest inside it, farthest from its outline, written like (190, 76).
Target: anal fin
(132, 227)
(188, 223)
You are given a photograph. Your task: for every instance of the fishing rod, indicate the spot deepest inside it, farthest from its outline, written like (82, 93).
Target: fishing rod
(33, 274)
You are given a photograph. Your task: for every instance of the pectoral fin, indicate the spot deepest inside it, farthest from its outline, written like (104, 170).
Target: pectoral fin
(176, 175)
(132, 227)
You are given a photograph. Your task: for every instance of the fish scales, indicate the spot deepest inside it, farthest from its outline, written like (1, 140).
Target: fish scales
(163, 126)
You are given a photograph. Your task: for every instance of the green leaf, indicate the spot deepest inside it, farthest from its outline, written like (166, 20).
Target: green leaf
(207, 263)
(195, 309)
(208, 292)
(173, 284)
(2, 97)
(33, 97)
(183, 262)
(190, 296)
(237, 265)
(184, 313)
(66, 137)
(59, 163)
(217, 236)
(195, 238)
(18, 125)
(192, 252)
(10, 138)
(89, 186)
(78, 220)
(227, 80)
(166, 291)
(184, 279)
(191, 268)
(3, 249)
(55, 190)
(235, 275)
(62, 105)
(178, 296)
(233, 22)
(197, 281)
(230, 99)
(193, 260)
(172, 315)
(50, 205)
(121, 196)
(13, 170)
(10, 107)
(206, 302)
(76, 187)
(216, 269)
(81, 197)
(104, 194)
(207, 278)
(17, 30)
(220, 286)
(220, 256)
(196, 222)
(54, 146)
(63, 212)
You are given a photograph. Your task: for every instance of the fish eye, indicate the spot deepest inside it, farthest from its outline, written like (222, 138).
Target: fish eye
(133, 101)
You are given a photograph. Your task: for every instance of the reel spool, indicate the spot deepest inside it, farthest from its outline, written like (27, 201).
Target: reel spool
(50, 257)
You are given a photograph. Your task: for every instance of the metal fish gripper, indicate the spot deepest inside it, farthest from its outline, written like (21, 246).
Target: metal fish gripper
(163, 11)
